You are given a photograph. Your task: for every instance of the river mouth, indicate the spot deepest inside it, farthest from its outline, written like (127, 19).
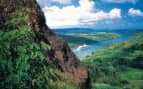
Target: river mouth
(84, 50)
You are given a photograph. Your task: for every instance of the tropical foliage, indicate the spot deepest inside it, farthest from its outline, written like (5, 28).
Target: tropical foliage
(119, 66)
(23, 61)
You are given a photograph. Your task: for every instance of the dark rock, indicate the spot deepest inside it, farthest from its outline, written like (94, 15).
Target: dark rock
(61, 55)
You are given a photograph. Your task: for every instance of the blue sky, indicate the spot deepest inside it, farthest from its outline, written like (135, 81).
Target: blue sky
(96, 14)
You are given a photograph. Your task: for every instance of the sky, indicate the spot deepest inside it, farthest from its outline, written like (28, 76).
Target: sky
(96, 14)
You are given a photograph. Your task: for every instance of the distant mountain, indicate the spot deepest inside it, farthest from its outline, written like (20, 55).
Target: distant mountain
(95, 29)
(89, 30)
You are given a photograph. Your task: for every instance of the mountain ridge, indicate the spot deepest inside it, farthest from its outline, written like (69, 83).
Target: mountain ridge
(60, 54)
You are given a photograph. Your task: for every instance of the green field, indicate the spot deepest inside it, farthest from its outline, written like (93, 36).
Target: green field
(75, 39)
(118, 66)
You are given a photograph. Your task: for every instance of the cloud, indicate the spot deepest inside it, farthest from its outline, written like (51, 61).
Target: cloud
(121, 1)
(44, 3)
(63, 1)
(135, 12)
(81, 15)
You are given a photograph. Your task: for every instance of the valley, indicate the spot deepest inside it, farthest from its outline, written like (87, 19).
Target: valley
(118, 64)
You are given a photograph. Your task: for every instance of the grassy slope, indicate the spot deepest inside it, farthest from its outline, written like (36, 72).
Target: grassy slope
(118, 66)
(23, 61)
(75, 40)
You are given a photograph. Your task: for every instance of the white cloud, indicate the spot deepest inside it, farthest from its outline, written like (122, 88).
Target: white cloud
(135, 12)
(49, 2)
(63, 1)
(74, 16)
(121, 1)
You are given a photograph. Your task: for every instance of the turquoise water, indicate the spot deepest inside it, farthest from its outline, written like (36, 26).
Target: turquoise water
(83, 52)
(90, 48)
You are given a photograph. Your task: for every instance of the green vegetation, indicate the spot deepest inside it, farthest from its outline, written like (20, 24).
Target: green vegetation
(119, 66)
(23, 61)
(75, 39)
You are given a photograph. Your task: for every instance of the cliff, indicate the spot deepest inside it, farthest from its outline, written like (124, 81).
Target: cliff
(60, 54)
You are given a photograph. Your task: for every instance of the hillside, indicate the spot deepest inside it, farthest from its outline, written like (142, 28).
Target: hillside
(118, 66)
(31, 55)
(76, 39)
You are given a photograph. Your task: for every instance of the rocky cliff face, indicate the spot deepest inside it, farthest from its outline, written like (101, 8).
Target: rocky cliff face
(60, 55)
